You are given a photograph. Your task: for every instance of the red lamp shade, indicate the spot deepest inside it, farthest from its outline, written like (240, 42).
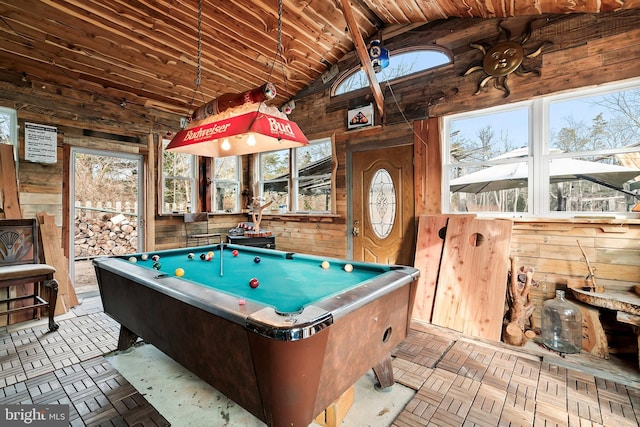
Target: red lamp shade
(252, 132)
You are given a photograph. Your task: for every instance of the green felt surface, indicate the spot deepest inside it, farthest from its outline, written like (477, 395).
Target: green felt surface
(286, 284)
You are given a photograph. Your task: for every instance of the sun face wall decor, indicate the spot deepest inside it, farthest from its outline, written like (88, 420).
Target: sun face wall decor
(503, 59)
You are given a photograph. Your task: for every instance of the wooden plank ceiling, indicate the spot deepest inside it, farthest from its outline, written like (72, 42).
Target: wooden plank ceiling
(145, 51)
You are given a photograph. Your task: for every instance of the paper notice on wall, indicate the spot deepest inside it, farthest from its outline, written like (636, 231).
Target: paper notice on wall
(40, 143)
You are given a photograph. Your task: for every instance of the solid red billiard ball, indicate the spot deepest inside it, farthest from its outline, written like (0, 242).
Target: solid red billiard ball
(235, 252)
(256, 259)
(254, 283)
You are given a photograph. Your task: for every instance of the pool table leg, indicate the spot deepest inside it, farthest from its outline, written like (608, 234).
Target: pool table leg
(126, 339)
(384, 373)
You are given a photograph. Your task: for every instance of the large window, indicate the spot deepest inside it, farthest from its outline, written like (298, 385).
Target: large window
(575, 154)
(226, 184)
(178, 181)
(297, 180)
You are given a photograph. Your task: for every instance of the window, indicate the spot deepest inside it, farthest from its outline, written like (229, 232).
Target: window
(310, 181)
(226, 184)
(9, 128)
(178, 181)
(571, 154)
(9, 134)
(401, 63)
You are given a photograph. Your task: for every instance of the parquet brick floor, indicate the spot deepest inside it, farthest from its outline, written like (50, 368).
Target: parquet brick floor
(68, 367)
(458, 381)
(474, 383)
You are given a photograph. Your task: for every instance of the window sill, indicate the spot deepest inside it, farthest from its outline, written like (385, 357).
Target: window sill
(580, 220)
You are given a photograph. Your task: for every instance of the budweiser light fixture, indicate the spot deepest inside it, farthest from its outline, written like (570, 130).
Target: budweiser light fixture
(236, 133)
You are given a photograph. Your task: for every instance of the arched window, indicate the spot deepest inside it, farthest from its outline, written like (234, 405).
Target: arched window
(401, 63)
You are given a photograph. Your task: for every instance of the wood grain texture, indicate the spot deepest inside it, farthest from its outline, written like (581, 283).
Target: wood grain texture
(473, 276)
(431, 232)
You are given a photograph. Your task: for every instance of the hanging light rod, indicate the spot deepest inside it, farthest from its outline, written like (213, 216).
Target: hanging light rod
(238, 123)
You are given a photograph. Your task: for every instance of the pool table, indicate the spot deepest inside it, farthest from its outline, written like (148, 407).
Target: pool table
(285, 348)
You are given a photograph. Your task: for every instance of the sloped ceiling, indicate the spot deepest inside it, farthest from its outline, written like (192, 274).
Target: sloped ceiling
(146, 51)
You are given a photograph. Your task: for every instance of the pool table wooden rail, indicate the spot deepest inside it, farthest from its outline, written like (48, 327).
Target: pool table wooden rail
(281, 382)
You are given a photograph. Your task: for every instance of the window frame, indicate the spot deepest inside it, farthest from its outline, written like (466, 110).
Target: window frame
(235, 182)
(292, 181)
(162, 178)
(401, 51)
(539, 153)
(13, 129)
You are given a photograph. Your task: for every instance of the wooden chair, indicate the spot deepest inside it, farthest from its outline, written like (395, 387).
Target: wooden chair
(196, 227)
(20, 264)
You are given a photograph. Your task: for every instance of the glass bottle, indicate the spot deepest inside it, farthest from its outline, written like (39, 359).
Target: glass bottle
(561, 325)
(266, 92)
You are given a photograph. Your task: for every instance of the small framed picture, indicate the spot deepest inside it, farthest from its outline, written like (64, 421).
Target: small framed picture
(360, 117)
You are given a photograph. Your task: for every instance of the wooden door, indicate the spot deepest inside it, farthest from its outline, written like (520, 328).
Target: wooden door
(383, 225)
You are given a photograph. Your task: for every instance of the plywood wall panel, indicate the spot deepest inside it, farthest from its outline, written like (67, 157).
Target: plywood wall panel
(473, 276)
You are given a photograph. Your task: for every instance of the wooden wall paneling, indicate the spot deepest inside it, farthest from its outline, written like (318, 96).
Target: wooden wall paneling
(472, 283)
(430, 242)
(434, 166)
(9, 184)
(149, 188)
(67, 206)
(420, 168)
(51, 243)
(550, 247)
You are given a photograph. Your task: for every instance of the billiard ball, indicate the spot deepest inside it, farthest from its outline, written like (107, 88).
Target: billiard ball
(241, 301)
(157, 265)
(191, 255)
(144, 257)
(179, 272)
(235, 252)
(325, 264)
(208, 257)
(256, 259)
(133, 259)
(348, 268)
(254, 283)
(155, 257)
(211, 254)
(203, 256)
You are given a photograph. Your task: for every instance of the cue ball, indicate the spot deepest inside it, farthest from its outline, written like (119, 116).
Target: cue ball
(325, 264)
(191, 255)
(155, 257)
(133, 259)
(203, 256)
(254, 283)
(179, 272)
(144, 257)
(256, 259)
(348, 268)
(235, 252)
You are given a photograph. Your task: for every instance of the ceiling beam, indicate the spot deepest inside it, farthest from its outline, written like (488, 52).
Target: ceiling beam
(363, 54)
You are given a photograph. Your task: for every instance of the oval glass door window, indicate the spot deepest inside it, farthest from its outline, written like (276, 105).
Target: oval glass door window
(382, 203)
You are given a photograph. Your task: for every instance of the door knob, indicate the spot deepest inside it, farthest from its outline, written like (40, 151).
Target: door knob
(356, 228)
